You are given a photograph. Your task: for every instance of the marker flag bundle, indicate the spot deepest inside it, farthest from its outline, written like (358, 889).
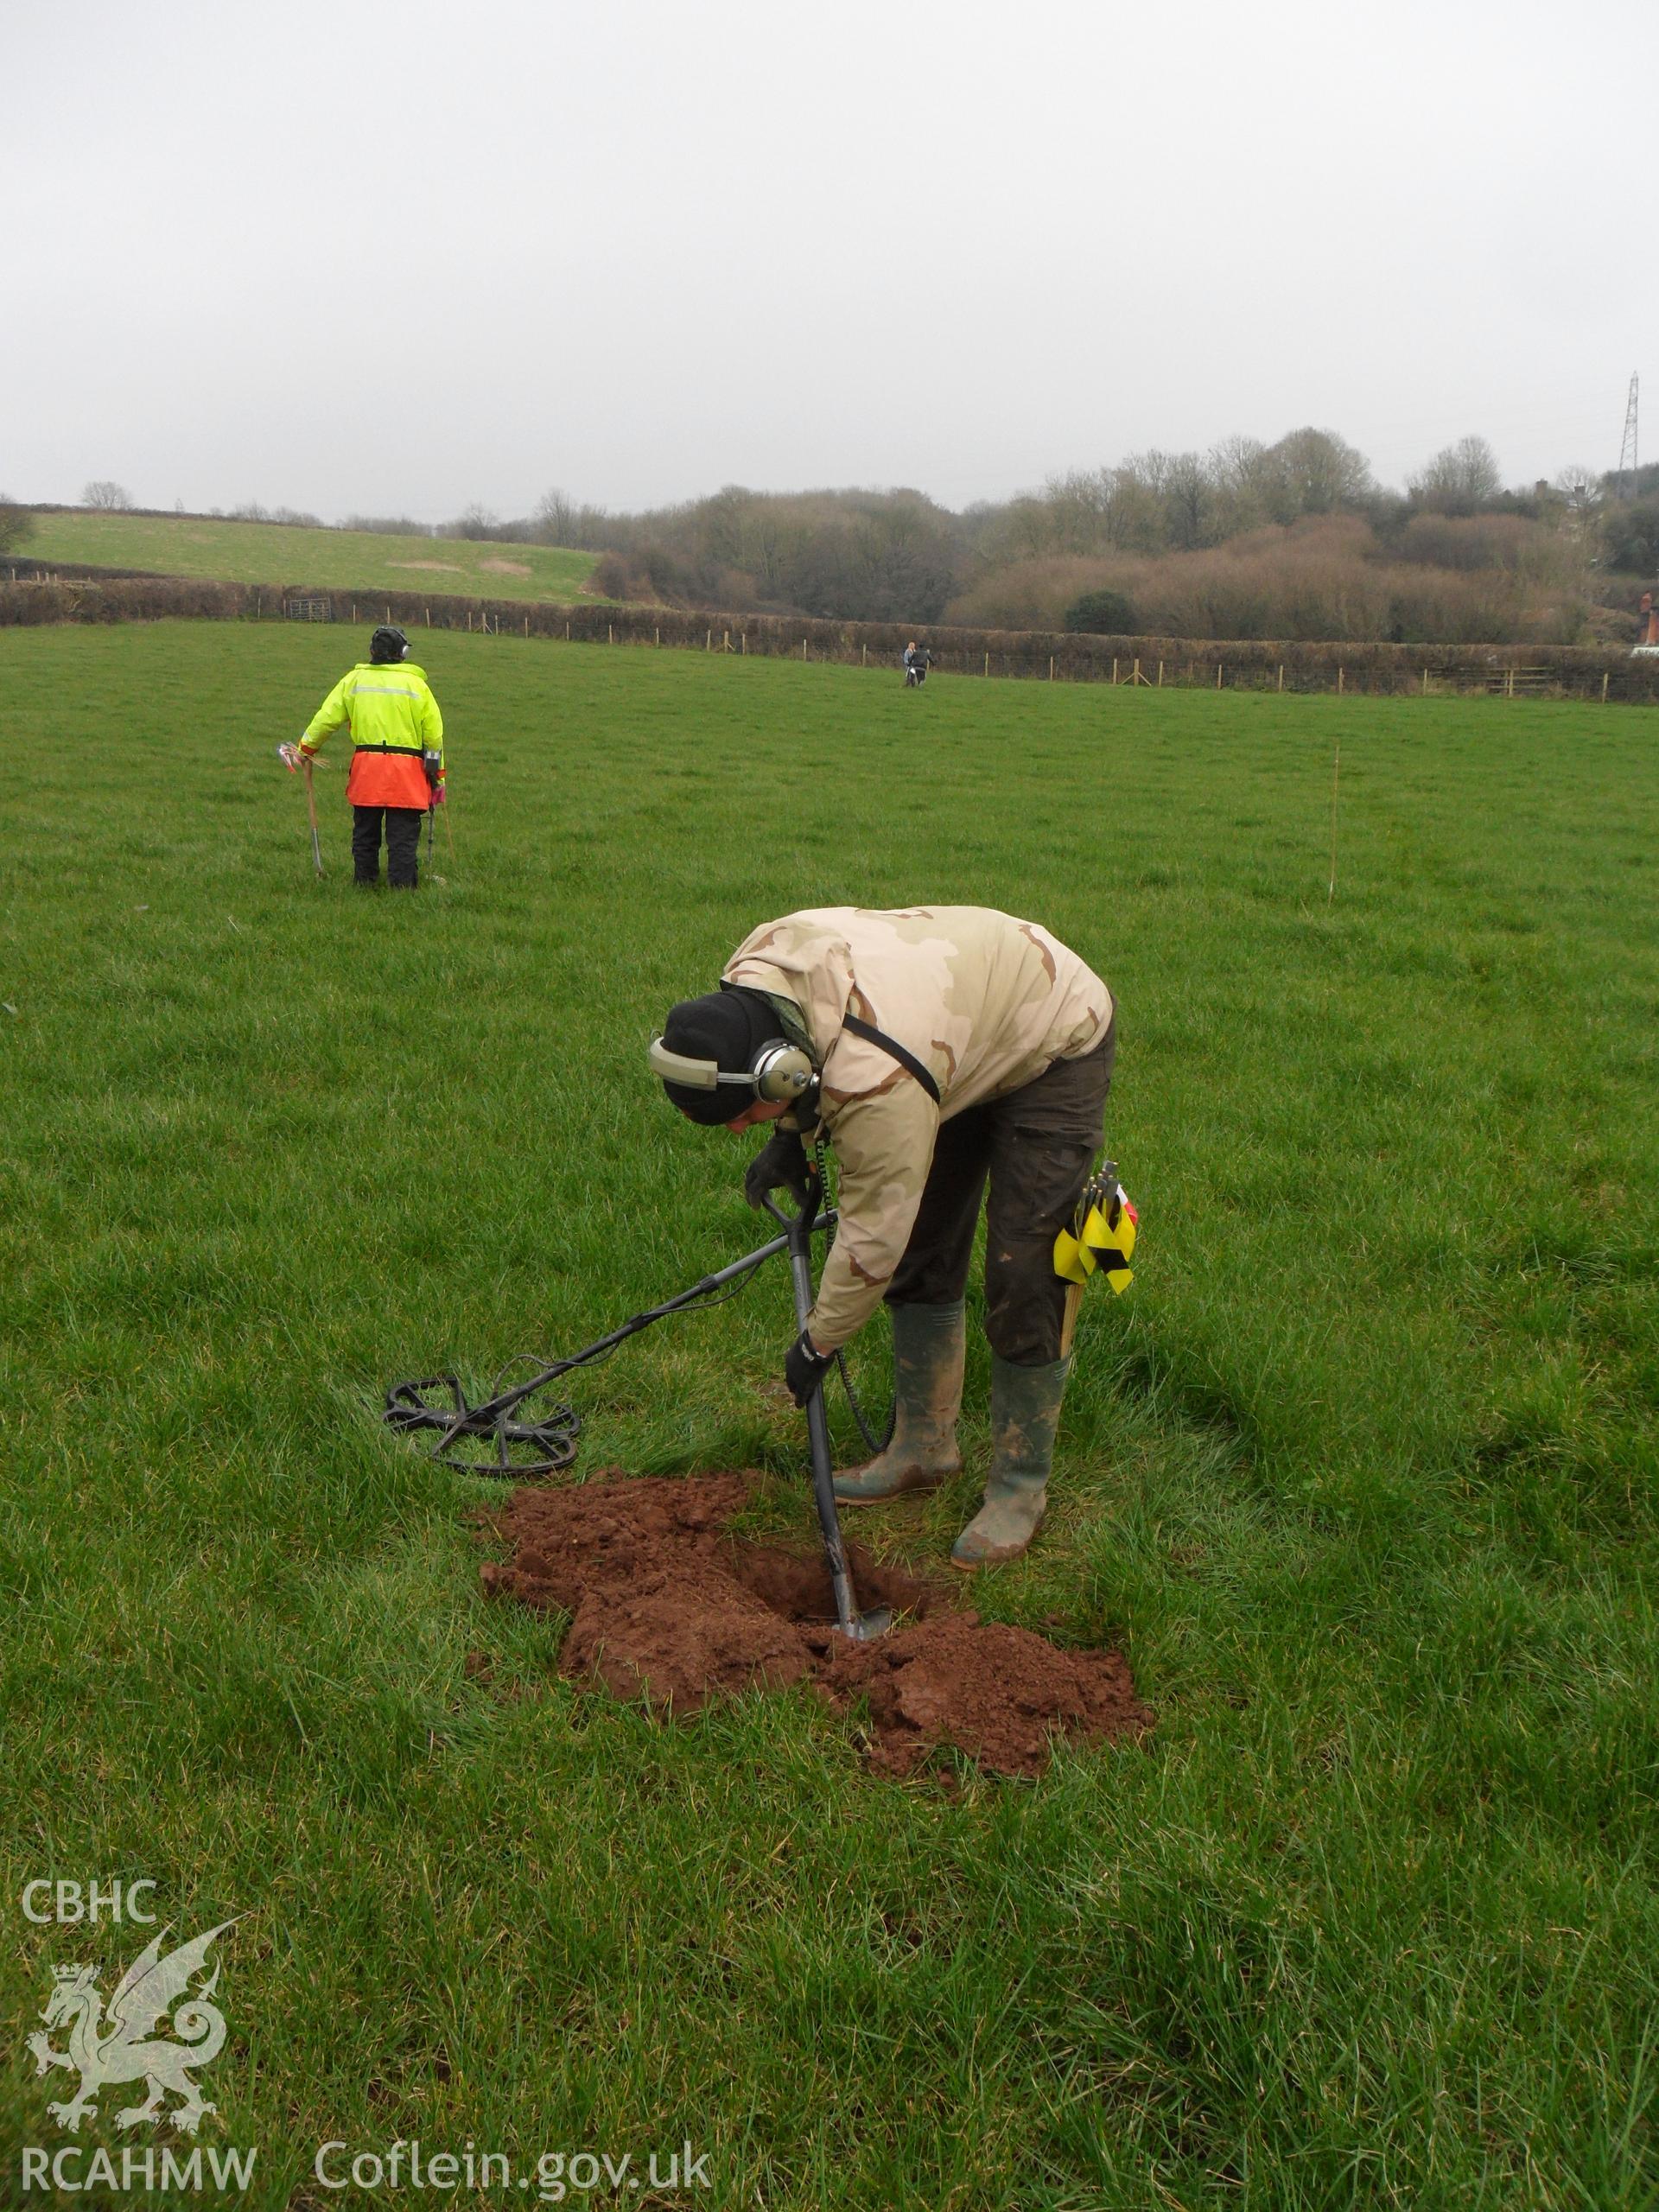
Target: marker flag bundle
(1102, 1236)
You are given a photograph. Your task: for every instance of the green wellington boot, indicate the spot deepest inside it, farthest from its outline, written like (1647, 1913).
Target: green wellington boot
(1024, 1413)
(928, 1346)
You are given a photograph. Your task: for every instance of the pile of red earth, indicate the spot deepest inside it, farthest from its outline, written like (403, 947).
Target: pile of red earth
(665, 1605)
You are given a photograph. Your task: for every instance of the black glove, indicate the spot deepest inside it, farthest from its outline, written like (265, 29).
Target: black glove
(805, 1369)
(780, 1165)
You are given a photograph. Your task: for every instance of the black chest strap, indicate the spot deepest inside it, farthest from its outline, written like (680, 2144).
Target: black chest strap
(894, 1050)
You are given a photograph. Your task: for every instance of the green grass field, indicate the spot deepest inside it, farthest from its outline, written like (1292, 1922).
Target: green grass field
(332, 560)
(1362, 1473)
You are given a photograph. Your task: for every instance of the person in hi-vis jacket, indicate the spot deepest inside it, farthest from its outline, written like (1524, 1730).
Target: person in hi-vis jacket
(398, 773)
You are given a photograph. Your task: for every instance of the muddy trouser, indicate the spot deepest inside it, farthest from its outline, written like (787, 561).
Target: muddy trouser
(402, 843)
(1036, 1146)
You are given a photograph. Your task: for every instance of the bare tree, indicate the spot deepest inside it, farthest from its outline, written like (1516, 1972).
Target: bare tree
(1248, 486)
(1137, 510)
(102, 493)
(1150, 469)
(555, 517)
(1189, 503)
(475, 521)
(1315, 472)
(1460, 479)
(1579, 490)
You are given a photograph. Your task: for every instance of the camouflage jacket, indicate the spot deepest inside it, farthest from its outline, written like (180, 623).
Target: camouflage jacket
(984, 1001)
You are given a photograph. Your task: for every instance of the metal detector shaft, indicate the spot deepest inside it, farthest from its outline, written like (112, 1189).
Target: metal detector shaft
(508, 1398)
(847, 1617)
(311, 807)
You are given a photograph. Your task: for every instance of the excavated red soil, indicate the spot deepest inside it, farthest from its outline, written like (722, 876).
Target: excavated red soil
(665, 1605)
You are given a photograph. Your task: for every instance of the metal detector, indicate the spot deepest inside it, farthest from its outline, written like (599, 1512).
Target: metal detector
(525, 1442)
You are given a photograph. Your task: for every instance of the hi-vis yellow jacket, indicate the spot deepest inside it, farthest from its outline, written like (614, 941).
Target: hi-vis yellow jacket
(393, 718)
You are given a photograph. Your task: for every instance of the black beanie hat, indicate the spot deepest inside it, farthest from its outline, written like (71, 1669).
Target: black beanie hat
(729, 1026)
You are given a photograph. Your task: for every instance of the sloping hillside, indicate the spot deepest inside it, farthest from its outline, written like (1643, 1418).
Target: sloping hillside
(334, 559)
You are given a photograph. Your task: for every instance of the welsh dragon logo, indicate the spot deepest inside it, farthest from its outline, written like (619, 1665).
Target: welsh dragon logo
(125, 2048)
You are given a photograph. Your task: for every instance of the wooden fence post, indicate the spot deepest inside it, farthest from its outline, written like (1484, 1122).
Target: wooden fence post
(1114, 668)
(1218, 675)
(1340, 678)
(610, 633)
(1604, 687)
(1051, 668)
(1282, 676)
(1160, 675)
(988, 663)
(1424, 683)
(803, 648)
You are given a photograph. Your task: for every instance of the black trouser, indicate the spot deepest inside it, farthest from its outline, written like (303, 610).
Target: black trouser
(403, 844)
(1036, 1146)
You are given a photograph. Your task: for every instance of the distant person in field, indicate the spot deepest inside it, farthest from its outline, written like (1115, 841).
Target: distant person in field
(937, 1048)
(917, 661)
(398, 769)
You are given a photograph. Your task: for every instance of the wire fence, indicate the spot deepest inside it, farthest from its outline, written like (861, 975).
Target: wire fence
(1152, 663)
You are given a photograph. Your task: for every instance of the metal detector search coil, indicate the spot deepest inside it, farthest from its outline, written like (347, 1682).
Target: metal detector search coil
(520, 1449)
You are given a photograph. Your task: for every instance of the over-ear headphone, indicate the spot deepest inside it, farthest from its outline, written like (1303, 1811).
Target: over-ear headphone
(782, 1070)
(779, 1072)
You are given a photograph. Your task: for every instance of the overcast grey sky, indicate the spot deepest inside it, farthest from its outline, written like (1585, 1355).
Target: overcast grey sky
(357, 255)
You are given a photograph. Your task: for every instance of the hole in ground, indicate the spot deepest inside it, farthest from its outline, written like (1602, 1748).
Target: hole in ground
(667, 1605)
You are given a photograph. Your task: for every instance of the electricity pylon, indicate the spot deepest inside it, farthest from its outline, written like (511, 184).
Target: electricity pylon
(1628, 444)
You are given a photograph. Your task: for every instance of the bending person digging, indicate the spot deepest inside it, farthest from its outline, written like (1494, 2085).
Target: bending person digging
(937, 1048)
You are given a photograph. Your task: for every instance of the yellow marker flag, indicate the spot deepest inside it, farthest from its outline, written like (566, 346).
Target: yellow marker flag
(1101, 1238)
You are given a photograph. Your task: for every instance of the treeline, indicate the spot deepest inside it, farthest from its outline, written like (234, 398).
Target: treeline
(1490, 579)
(1291, 540)
(1295, 540)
